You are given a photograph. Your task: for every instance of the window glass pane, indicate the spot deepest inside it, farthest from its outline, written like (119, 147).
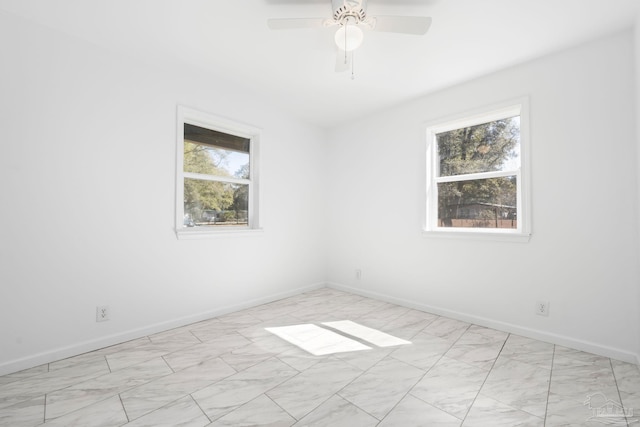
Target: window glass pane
(211, 160)
(481, 203)
(211, 203)
(493, 146)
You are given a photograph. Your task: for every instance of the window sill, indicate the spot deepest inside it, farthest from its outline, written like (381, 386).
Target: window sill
(197, 233)
(477, 235)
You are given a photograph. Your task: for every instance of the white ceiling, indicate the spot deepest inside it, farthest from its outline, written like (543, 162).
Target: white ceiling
(294, 69)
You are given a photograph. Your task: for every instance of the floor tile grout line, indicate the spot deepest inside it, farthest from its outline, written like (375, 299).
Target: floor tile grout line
(154, 410)
(101, 400)
(485, 379)
(124, 409)
(200, 407)
(108, 365)
(615, 380)
(336, 393)
(44, 412)
(546, 408)
(425, 374)
(277, 385)
(397, 403)
(435, 317)
(278, 405)
(368, 312)
(412, 337)
(512, 406)
(346, 399)
(507, 403)
(173, 401)
(214, 382)
(397, 317)
(173, 371)
(293, 367)
(333, 356)
(426, 403)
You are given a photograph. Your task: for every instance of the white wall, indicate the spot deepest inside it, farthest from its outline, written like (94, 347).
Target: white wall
(87, 180)
(583, 254)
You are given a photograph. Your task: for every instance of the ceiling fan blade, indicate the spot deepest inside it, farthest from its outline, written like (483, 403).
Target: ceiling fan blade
(343, 61)
(417, 25)
(297, 23)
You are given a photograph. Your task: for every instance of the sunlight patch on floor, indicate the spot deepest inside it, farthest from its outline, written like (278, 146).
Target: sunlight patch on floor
(316, 340)
(321, 341)
(364, 333)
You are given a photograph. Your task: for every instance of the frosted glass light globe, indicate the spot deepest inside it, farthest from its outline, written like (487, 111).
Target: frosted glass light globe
(349, 37)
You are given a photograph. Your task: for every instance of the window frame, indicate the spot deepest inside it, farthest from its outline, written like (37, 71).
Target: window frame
(210, 121)
(522, 233)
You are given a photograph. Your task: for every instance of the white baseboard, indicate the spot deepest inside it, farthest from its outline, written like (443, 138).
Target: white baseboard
(109, 340)
(614, 353)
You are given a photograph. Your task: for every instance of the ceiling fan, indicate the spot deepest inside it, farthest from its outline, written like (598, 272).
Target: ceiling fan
(351, 17)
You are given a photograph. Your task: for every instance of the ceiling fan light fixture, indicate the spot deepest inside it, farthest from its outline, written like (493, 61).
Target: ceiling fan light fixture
(349, 37)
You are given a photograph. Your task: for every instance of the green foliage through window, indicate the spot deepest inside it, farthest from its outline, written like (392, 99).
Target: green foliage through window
(216, 192)
(486, 147)
(473, 156)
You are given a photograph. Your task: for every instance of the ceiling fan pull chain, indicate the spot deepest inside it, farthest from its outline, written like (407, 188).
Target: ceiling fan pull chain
(346, 25)
(353, 60)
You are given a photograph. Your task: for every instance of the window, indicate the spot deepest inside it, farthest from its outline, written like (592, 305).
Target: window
(217, 189)
(477, 180)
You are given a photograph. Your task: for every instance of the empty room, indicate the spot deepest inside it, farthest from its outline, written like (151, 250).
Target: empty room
(319, 213)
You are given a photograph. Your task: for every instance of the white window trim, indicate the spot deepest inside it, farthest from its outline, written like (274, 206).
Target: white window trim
(209, 121)
(511, 108)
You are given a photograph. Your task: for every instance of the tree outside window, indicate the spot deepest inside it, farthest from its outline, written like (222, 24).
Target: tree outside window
(475, 180)
(217, 175)
(484, 202)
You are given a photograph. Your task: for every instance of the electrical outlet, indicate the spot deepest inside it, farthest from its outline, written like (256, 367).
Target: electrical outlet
(358, 274)
(542, 308)
(102, 313)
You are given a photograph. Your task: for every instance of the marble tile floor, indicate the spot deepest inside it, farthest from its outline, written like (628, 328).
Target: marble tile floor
(231, 371)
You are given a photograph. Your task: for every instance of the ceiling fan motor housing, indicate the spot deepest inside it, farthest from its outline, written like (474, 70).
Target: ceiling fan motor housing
(344, 9)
